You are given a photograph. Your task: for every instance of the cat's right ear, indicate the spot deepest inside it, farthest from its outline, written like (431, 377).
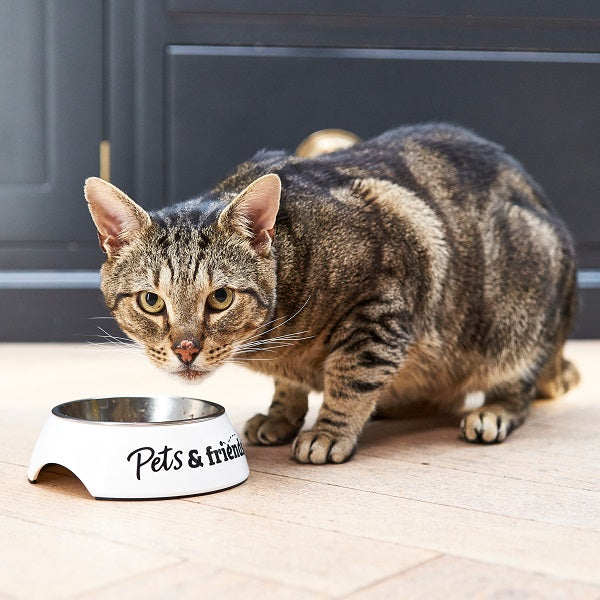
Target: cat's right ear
(253, 212)
(117, 217)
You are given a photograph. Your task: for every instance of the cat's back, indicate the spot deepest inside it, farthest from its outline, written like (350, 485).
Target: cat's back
(441, 163)
(454, 211)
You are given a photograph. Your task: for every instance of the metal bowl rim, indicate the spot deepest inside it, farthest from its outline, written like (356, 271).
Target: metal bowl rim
(220, 410)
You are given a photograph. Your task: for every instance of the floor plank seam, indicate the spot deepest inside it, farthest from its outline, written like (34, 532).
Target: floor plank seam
(179, 557)
(461, 508)
(91, 534)
(124, 580)
(509, 477)
(246, 574)
(310, 527)
(376, 582)
(450, 468)
(526, 571)
(413, 545)
(13, 464)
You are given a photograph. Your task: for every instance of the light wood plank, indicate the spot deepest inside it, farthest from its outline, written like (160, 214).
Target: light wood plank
(449, 578)
(301, 555)
(194, 581)
(539, 452)
(41, 561)
(496, 494)
(20, 430)
(574, 416)
(555, 550)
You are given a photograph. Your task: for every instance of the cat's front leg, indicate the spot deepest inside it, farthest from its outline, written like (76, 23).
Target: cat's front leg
(285, 416)
(354, 381)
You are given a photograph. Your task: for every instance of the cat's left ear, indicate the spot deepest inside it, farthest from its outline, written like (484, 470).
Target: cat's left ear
(253, 212)
(117, 217)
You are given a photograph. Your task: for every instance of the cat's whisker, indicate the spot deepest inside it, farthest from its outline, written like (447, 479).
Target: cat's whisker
(253, 351)
(281, 324)
(265, 349)
(269, 323)
(282, 341)
(279, 337)
(291, 337)
(270, 344)
(115, 342)
(112, 347)
(266, 343)
(259, 347)
(243, 360)
(283, 317)
(116, 338)
(126, 341)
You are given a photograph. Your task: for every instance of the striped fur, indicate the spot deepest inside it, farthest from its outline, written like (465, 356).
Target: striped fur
(405, 272)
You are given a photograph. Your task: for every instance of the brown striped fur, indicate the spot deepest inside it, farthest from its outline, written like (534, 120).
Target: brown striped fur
(400, 275)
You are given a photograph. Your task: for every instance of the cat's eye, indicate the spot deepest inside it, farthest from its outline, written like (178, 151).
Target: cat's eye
(220, 299)
(150, 302)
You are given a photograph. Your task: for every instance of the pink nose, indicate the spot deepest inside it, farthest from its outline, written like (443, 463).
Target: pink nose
(186, 352)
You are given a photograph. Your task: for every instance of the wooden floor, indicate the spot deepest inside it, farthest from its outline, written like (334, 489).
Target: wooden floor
(416, 514)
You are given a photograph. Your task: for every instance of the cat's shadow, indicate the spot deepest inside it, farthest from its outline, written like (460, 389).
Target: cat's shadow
(384, 432)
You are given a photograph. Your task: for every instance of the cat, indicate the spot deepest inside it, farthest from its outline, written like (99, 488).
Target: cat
(395, 276)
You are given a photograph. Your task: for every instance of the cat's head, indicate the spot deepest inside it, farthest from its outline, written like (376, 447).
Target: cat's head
(193, 287)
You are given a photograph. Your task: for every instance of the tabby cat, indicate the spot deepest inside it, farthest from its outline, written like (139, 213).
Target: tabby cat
(395, 276)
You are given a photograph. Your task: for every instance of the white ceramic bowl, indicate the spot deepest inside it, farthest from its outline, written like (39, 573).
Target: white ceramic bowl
(142, 447)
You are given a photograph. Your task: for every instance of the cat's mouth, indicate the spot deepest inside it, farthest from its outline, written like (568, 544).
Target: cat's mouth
(192, 374)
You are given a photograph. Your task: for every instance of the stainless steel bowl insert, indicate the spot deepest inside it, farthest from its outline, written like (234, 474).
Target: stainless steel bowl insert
(148, 410)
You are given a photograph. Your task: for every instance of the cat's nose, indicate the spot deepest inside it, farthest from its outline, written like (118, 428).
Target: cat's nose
(186, 351)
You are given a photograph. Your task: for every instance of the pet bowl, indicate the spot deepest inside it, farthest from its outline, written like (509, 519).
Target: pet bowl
(150, 447)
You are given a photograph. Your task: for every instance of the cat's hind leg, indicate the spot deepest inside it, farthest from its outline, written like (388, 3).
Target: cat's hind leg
(284, 419)
(557, 377)
(505, 408)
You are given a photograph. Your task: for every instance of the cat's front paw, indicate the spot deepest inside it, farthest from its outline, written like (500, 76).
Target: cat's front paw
(320, 447)
(270, 430)
(486, 427)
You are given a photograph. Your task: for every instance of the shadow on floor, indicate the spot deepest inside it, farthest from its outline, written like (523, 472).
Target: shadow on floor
(60, 478)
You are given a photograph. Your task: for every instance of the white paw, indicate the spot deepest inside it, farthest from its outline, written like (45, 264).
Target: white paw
(320, 447)
(485, 427)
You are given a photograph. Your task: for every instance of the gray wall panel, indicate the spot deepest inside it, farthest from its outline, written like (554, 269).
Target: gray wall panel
(23, 72)
(55, 109)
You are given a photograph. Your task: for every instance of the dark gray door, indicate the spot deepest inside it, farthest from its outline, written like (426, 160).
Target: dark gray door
(50, 127)
(51, 123)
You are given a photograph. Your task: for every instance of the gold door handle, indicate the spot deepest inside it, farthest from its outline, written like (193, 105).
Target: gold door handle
(324, 141)
(105, 160)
